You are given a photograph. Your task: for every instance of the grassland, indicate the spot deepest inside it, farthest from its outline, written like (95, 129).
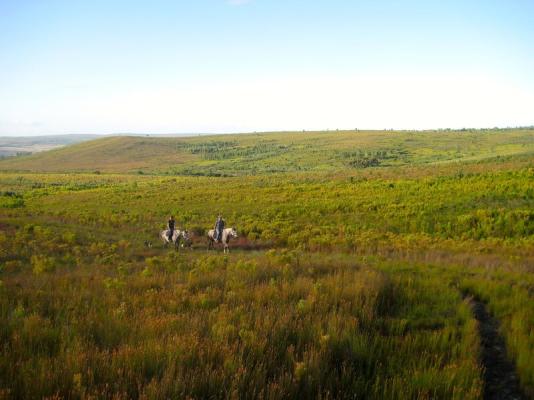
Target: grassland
(261, 153)
(347, 281)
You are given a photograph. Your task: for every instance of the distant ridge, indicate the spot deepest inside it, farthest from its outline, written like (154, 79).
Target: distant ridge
(46, 139)
(253, 153)
(17, 145)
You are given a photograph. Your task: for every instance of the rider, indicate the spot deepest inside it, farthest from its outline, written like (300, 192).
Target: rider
(170, 225)
(219, 227)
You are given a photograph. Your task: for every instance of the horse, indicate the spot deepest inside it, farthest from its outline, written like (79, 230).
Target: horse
(177, 236)
(227, 234)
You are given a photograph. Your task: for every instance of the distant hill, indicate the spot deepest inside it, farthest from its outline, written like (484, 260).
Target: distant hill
(17, 145)
(241, 154)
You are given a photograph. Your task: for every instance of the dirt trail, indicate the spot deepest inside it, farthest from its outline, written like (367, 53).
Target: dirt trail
(500, 377)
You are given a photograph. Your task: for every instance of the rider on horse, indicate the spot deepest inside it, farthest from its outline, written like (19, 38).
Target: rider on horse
(170, 224)
(219, 227)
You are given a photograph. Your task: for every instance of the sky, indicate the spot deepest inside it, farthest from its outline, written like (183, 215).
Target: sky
(214, 66)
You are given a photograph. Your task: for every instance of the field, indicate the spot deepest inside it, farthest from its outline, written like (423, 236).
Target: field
(360, 260)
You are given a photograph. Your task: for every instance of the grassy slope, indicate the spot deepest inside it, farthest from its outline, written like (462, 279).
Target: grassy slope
(119, 154)
(276, 152)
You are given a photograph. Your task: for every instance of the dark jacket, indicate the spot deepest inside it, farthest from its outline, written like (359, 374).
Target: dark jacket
(219, 225)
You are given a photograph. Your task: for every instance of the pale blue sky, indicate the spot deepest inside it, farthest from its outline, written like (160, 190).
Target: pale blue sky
(222, 66)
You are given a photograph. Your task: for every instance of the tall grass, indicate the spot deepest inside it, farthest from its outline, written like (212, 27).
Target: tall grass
(275, 325)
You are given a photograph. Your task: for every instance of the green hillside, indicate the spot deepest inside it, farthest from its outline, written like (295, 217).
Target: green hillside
(249, 154)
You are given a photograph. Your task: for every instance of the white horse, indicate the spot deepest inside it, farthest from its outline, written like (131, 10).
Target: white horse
(177, 236)
(227, 234)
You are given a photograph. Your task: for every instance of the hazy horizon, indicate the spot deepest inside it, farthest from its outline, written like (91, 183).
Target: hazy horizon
(187, 134)
(237, 66)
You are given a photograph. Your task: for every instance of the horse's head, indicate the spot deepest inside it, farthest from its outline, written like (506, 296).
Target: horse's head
(185, 234)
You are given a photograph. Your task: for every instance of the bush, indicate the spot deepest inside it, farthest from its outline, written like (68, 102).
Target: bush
(41, 264)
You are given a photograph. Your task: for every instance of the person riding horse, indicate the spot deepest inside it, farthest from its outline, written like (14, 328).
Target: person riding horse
(170, 224)
(219, 227)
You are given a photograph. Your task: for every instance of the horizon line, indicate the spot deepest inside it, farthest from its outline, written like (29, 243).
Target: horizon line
(270, 131)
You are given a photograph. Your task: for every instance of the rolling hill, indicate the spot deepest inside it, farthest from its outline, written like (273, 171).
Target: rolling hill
(254, 153)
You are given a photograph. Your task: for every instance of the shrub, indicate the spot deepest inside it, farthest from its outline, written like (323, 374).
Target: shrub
(41, 264)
